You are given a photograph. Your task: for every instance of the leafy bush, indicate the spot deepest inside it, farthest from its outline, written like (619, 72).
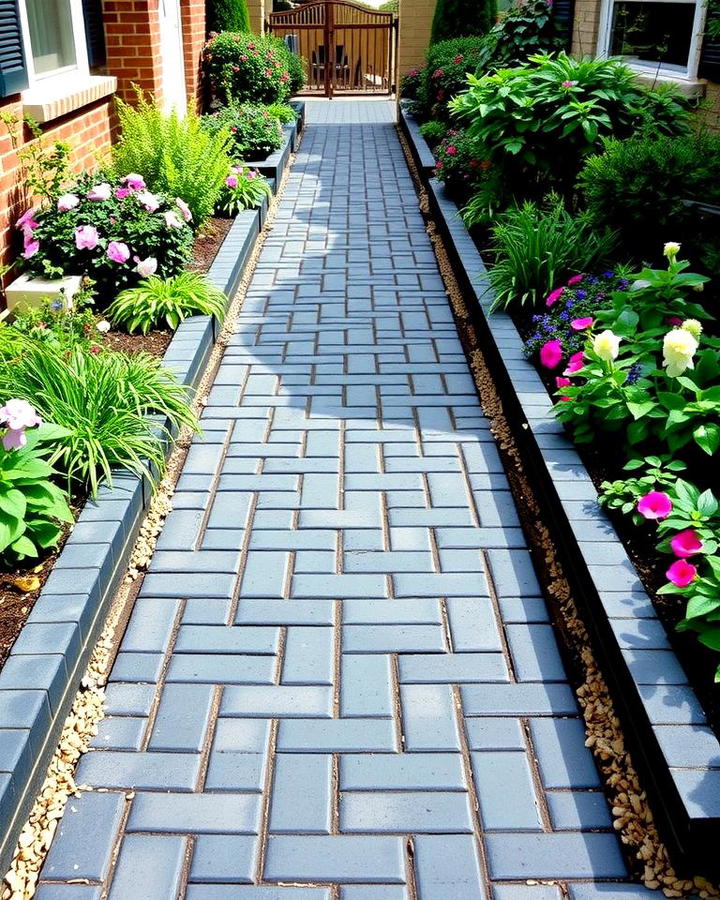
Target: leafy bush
(227, 15)
(433, 131)
(461, 162)
(103, 401)
(157, 302)
(297, 69)
(111, 232)
(33, 508)
(410, 84)
(245, 188)
(638, 187)
(541, 120)
(254, 132)
(283, 112)
(462, 17)
(538, 247)
(445, 75)
(177, 156)
(249, 68)
(57, 323)
(527, 29)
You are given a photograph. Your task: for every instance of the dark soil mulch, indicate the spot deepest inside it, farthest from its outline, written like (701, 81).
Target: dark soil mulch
(154, 342)
(208, 242)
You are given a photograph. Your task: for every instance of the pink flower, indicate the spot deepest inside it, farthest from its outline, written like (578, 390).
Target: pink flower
(171, 220)
(554, 296)
(18, 414)
(184, 209)
(231, 181)
(562, 382)
(243, 58)
(122, 193)
(95, 349)
(148, 200)
(134, 181)
(451, 150)
(14, 439)
(582, 324)
(655, 505)
(575, 363)
(31, 246)
(146, 267)
(86, 237)
(100, 192)
(26, 220)
(551, 354)
(681, 573)
(576, 279)
(118, 252)
(67, 202)
(686, 543)
(569, 84)
(674, 320)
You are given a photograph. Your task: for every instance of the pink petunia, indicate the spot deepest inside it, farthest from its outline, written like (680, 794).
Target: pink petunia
(118, 252)
(86, 237)
(31, 248)
(134, 181)
(582, 324)
(686, 543)
(551, 354)
(655, 505)
(122, 193)
(554, 296)
(576, 279)
(26, 220)
(18, 414)
(100, 192)
(681, 573)
(562, 382)
(14, 439)
(575, 363)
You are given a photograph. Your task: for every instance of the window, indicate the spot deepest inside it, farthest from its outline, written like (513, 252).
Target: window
(658, 35)
(54, 34)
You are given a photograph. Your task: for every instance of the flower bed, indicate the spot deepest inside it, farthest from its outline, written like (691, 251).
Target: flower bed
(664, 721)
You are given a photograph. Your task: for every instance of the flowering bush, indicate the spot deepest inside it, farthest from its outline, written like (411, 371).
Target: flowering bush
(410, 84)
(445, 75)
(461, 162)
(63, 325)
(255, 133)
(33, 508)
(245, 188)
(114, 232)
(248, 68)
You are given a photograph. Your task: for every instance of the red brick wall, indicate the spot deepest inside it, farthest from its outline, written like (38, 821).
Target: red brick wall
(193, 27)
(132, 38)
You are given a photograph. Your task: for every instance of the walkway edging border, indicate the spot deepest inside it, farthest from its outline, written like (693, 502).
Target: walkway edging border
(42, 674)
(657, 706)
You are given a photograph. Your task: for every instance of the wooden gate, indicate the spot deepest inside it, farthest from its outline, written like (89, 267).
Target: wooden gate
(349, 49)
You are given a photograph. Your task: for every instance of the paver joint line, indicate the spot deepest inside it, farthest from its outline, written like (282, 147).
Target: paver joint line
(339, 672)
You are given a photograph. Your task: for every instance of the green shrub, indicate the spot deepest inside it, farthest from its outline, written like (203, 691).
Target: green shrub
(104, 401)
(283, 112)
(177, 156)
(539, 247)
(539, 121)
(227, 15)
(433, 131)
(445, 75)
(461, 162)
(638, 187)
(254, 132)
(158, 302)
(109, 230)
(249, 68)
(297, 69)
(410, 84)
(466, 17)
(527, 29)
(245, 188)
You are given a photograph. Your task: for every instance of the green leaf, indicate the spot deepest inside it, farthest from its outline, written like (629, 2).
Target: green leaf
(701, 606)
(23, 546)
(707, 437)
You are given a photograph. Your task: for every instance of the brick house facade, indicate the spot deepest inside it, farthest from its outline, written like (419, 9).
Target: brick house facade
(65, 67)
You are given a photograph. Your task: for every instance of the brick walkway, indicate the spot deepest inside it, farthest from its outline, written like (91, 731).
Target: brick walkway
(341, 647)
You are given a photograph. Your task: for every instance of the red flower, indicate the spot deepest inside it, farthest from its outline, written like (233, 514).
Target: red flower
(438, 73)
(458, 59)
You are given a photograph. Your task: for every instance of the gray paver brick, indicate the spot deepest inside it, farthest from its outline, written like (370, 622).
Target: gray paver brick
(195, 813)
(336, 735)
(505, 788)
(448, 866)
(224, 858)
(154, 771)
(343, 858)
(405, 811)
(565, 855)
(402, 771)
(155, 861)
(366, 685)
(182, 717)
(301, 800)
(429, 717)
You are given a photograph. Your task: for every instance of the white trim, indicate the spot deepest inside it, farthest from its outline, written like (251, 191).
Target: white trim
(666, 72)
(68, 74)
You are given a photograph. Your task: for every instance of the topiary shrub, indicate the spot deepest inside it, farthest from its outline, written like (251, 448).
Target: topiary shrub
(468, 17)
(227, 15)
(251, 68)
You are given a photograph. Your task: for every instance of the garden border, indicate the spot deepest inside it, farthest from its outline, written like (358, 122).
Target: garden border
(42, 674)
(677, 754)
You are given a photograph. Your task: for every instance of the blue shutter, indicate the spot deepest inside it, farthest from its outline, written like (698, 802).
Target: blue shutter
(94, 32)
(564, 14)
(13, 71)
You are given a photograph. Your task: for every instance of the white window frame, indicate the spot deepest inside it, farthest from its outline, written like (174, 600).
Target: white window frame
(66, 74)
(650, 67)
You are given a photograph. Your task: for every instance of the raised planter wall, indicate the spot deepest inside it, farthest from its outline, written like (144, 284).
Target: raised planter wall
(678, 755)
(40, 678)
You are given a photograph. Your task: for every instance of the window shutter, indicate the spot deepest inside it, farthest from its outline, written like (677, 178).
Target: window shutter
(709, 66)
(13, 71)
(564, 13)
(94, 32)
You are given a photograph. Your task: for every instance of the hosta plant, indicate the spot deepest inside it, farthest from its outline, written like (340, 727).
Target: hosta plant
(166, 302)
(33, 509)
(245, 188)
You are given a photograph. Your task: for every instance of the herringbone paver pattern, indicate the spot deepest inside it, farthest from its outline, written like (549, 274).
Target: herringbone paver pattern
(339, 681)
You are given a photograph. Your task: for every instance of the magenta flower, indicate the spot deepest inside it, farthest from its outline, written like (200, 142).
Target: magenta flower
(451, 150)
(231, 181)
(134, 181)
(184, 209)
(569, 84)
(681, 573)
(31, 247)
(575, 363)
(554, 296)
(655, 505)
(100, 192)
(26, 220)
(562, 382)
(576, 279)
(674, 320)
(122, 193)
(86, 237)
(582, 324)
(551, 354)
(118, 252)
(148, 200)
(67, 202)
(146, 267)
(686, 543)
(18, 414)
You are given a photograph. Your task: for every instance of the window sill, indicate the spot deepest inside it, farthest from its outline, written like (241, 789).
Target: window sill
(688, 87)
(45, 102)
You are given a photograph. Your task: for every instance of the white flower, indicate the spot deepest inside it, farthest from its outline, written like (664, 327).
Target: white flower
(67, 202)
(148, 200)
(103, 327)
(184, 209)
(146, 267)
(171, 220)
(679, 347)
(607, 345)
(671, 250)
(694, 327)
